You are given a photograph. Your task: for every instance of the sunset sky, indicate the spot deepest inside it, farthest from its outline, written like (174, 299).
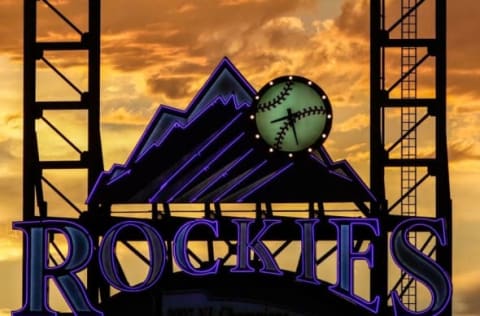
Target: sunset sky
(161, 52)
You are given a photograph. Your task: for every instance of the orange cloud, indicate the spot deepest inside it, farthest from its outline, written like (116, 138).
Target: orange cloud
(122, 116)
(357, 122)
(463, 150)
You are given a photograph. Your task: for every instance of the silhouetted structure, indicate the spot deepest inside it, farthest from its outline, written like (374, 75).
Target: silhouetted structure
(218, 163)
(399, 153)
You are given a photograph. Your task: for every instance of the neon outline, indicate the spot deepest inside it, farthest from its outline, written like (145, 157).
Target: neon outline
(195, 155)
(184, 125)
(180, 247)
(265, 180)
(245, 244)
(224, 65)
(345, 167)
(205, 168)
(342, 224)
(159, 142)
(240, 180)
(122, 175)
(304, 254)
(397, 305)
(154, 240)
(349, 294)
(223, 174)
(45, 226)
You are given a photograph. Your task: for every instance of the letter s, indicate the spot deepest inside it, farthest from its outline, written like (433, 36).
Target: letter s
(421, 267)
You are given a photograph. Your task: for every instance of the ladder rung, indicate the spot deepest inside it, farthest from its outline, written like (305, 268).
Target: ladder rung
(417, 42)
(62, 105)
(61, 46)
(421, 162)
(63, 164)
(416, 102)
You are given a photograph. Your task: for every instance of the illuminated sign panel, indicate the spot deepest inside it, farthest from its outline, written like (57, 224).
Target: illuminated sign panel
(233, 145)
(405, 255)
(292, 114)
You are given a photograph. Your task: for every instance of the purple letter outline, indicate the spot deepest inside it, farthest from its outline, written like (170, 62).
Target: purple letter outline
(347, 256)
(420, 266)
(37, 271)
(180, 247)
(308, 259)
(109, 264)
(245, 244)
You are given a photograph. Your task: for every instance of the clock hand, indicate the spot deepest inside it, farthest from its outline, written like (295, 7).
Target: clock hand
(291, 117)
(291, 121)
(280, 119)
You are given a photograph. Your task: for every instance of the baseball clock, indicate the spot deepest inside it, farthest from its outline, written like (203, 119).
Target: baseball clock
(292, 114)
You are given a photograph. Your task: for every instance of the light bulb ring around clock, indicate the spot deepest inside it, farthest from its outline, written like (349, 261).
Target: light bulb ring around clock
(292, 114)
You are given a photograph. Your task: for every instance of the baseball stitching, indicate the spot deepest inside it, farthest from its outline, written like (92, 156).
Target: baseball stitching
(262, 107)
(311, 110)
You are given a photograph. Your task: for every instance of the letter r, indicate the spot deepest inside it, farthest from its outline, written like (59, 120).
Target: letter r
(37, 271)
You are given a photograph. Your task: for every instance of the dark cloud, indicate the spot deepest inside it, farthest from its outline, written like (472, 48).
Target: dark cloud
(121, 110)
(124, 15)
(173, 88)
(205, 31)
(188, 68)
(127, 56)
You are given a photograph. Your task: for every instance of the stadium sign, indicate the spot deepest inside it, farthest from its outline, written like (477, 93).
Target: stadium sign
(81, 250)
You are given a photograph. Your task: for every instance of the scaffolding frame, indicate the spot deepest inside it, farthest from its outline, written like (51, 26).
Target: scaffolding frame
(408, 164)
(35, 205)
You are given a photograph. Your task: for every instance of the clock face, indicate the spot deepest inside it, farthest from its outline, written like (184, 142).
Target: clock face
(292, 114)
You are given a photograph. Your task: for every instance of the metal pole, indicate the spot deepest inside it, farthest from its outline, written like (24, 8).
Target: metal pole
(443, 198)
(379, 273)
(29, 79)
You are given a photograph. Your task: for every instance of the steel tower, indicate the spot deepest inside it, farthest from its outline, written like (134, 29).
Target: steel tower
(402, 51)
(38, 55)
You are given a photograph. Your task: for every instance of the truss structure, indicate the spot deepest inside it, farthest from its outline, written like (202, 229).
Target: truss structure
(398, 154)
(397, 33)
(38, 56)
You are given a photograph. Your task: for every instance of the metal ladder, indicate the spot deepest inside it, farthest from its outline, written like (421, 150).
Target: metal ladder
(409, 143)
